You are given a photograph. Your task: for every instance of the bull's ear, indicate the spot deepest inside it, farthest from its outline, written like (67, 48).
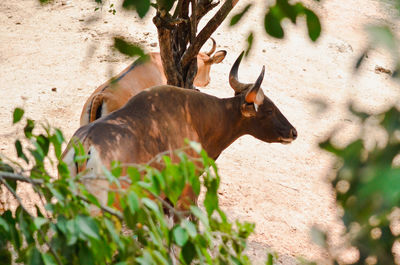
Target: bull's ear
(218, 57)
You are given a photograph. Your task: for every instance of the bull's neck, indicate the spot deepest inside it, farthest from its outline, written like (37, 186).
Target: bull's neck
(218, 124)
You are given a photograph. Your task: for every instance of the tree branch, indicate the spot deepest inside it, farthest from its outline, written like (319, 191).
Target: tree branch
(38, 182)
(206, 32)
(203, 7)
(168, 57)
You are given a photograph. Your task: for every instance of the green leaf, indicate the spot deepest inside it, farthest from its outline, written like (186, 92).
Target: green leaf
(313, 24)
(39, 221)
(34, 256)
(235, 19)
(272, 26)
(44, 144)
(133, 174)
(141, 6)
(249, 43)
(190, 228)
(188, 252)
(165, 4)
(5, 256)
(288, 10)
(72, 232)
(4, 225)
(382, 35)
(133, 201)
(111, 198)
(318, 236)
(20, 152)
(211, 198)
(17, 115)
(24, 226)
(88, 226)
(85, 255)
(160, 259)
(30, 124)
(270, 259)
(128, 48)
(150, 204)
(180, 236)
(196, 211)
(48, 259)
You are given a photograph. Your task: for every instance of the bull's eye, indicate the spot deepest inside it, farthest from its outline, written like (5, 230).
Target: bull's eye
(268, 112)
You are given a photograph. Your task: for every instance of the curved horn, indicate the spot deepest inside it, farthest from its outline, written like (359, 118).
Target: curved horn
(255, 95)
(233, 76)
(260, 78)
(212, 48)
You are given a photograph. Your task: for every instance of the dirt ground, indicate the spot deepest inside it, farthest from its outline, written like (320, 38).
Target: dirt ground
(284, 189)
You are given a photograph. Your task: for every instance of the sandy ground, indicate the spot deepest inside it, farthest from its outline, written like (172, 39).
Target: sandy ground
(282, 188)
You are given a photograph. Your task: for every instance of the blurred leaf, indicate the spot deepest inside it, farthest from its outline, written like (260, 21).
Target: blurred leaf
(318, 236)
(391, 121)
(196, 211)
(39, 221)
(150, 204)
(382, 35)
(141, 6)
(85, 255)
(133, 174)
(287, 10)
(362, 115)
(190, 228)
(44, 144)
(20, 152)
(270, 259)
(250, 39)
(5, 256)
(236, 18)
(30, 124)
(88, 226)
(188, 252)
(165, 4)
(313, 25)
(133, 201)
(272, 25)
(128, 48)
(180, 236)
(211, 198)
(17, 115)
(4, 225)
(34, 256)
(48, 259)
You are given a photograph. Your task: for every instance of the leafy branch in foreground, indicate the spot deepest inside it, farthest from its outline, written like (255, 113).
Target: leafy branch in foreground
(132, 228)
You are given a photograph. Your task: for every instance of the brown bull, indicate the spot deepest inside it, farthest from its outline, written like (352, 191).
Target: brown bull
(113, 94)
(160, 118)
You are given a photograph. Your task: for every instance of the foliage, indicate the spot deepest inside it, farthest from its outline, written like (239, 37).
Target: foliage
(368, 178)
(367, 189)
(138, 232)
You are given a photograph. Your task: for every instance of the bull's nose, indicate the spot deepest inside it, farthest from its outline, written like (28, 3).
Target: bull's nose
(293, 133)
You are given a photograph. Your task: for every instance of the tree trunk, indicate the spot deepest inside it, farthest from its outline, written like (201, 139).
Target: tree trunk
(178, 38)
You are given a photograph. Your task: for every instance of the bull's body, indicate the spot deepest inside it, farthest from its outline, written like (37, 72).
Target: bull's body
(161, 118)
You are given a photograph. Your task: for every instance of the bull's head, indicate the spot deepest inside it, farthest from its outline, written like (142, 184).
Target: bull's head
(265, 121)
(204, 62)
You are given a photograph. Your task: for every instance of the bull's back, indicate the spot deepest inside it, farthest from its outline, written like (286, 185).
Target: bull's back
(154, 121)
(114, 93)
